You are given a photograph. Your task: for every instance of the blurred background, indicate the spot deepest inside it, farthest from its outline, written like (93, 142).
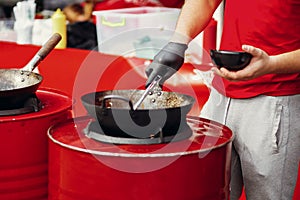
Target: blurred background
(6, 6)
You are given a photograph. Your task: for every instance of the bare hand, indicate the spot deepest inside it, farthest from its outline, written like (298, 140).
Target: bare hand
(258, 66)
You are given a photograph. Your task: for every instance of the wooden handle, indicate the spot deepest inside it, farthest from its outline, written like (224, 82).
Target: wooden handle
(49, 45)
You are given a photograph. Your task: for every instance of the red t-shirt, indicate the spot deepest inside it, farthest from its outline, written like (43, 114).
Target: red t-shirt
(273, 26)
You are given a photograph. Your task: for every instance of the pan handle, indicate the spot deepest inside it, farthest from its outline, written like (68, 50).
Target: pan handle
(43, 52)
(49, 45)
(113, 96)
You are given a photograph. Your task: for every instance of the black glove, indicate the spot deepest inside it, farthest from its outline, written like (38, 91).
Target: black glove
(166, 62)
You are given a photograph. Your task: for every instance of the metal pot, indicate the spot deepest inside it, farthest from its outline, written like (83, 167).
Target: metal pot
(16, 85)
(160, 112)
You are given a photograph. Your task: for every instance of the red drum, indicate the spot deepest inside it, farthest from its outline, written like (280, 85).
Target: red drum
(24, 147)
(197, 167)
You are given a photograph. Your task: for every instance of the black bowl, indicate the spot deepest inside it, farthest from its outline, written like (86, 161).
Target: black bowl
(231, 60)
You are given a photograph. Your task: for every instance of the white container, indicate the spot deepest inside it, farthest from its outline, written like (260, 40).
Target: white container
(42, 31)
(7, 32)
(120, 31)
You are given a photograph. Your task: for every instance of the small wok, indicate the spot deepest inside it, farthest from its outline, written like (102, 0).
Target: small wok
(114, 111)
(17, 85)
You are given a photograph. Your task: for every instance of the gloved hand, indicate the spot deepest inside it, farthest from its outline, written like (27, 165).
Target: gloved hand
(166, 62)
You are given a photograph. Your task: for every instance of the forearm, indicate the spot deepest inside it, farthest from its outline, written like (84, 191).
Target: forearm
(286, 63)
(194, 17)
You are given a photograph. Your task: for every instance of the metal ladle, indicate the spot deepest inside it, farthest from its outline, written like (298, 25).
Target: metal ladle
(147, 91)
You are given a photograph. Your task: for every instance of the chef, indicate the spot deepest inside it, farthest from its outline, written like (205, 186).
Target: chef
(260, 103)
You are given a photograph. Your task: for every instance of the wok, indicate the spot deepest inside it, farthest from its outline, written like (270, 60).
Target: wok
(113, 109)
(17, 85)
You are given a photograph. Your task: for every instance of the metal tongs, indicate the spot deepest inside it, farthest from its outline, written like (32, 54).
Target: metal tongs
(147, 91)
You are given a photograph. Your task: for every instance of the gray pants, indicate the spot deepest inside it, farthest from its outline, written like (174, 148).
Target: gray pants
(266, 148)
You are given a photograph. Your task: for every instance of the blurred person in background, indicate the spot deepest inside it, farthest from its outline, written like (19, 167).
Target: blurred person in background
(54, 4)
(6, 7)
(81, 32)
(261, 103)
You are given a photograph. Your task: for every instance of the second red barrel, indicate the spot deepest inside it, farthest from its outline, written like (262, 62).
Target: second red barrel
(194, 168)
(24, 147)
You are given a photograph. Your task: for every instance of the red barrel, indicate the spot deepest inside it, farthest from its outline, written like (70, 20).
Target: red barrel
(24, 147)
(194, 168)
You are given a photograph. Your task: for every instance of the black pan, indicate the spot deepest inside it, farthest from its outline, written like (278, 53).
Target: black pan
(16, 85)
(114, 111)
